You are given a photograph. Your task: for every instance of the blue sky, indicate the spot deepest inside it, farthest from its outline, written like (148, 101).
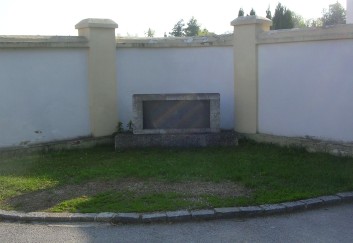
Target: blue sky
(45, 17)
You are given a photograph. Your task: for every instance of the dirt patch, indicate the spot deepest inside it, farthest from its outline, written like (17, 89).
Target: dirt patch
(45, 199)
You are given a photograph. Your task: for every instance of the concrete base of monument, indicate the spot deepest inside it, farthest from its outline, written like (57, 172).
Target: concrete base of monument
(222, 139)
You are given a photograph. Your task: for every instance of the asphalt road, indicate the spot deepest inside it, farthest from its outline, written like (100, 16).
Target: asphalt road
(332, 224)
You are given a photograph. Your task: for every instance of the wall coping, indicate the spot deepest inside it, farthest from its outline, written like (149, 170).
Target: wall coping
(27, 41)
(96, 23)
(334, 32)
(247, 20)
(170, 42)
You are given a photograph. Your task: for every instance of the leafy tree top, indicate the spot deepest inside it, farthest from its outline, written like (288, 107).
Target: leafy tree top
(178, 29)
(336, 14)
(193, 28)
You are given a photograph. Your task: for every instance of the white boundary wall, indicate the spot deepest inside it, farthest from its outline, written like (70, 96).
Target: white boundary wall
(300, 80)
(306, 89)
(43, 95)
(349, 14)
(176, 70)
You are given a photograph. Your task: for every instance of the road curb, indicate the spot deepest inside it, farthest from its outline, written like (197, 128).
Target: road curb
(181, 215)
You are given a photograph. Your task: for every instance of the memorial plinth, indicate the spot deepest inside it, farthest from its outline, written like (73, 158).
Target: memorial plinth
(176, 120)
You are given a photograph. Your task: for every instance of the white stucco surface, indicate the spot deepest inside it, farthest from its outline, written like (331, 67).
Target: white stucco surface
(43, 95)
(349, 12)
(176, 70)
(306, 89)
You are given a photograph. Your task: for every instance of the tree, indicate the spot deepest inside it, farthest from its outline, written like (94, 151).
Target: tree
(268, 13)
(282, 19)
(241, 12)
(298, 21)
(178, 29)
(193, 28)
(335, 15)
(313, 22)
(150, 32)
(252, 12)
(205, 32)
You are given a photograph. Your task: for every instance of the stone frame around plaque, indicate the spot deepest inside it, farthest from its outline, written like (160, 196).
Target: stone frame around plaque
(214, 112)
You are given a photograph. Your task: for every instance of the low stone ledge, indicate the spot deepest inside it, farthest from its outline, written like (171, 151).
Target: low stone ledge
(251, 211)
(178, 216)
(346, 196)
(310, 144)
(83, 217)
(313, 202)
(273, 208)
(35, 216)
(230, 212)
(330, 200)
(127, 140)
(126, 218)
(105, 217)
(294, 206)
(58, 217)
(78, 143)
(154, 217)
(203, 214)
(181, 215)
(11, 215)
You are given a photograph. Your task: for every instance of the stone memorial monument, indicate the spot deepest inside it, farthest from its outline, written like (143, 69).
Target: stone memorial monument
(176, 120)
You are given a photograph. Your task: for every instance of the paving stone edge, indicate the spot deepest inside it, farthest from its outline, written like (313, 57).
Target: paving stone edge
(180, 215)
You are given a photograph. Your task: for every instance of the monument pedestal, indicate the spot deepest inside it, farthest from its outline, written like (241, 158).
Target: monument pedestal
(222, 139)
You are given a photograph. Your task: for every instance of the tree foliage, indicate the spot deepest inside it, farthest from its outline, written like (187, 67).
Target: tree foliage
(298, 21)
(283, 18)
(178, 29)
(241, 12)
(192, 28)
(268, 13)
(313, 22)
(336, 14)
(205, 32)
(150, 32)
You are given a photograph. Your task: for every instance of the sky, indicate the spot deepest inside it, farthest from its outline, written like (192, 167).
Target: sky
(135, 17)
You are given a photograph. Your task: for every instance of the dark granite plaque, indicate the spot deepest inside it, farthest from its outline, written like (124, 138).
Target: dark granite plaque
(176, 114)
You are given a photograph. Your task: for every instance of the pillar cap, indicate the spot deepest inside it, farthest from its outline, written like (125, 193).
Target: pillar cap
(96, 23)
(247, 20)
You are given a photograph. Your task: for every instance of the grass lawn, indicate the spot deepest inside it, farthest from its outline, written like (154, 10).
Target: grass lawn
(270, 174)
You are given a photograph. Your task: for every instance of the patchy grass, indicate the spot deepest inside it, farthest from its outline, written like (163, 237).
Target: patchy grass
(271, 173)
(130, 202)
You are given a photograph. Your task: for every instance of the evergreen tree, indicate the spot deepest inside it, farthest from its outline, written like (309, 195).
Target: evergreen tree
(178, 29)
(241, 12)
(268, 13)
(282, 19)
(150, 33)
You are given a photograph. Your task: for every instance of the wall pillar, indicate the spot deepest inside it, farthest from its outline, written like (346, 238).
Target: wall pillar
(101, 74)
(246, 30)
(349, 12)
